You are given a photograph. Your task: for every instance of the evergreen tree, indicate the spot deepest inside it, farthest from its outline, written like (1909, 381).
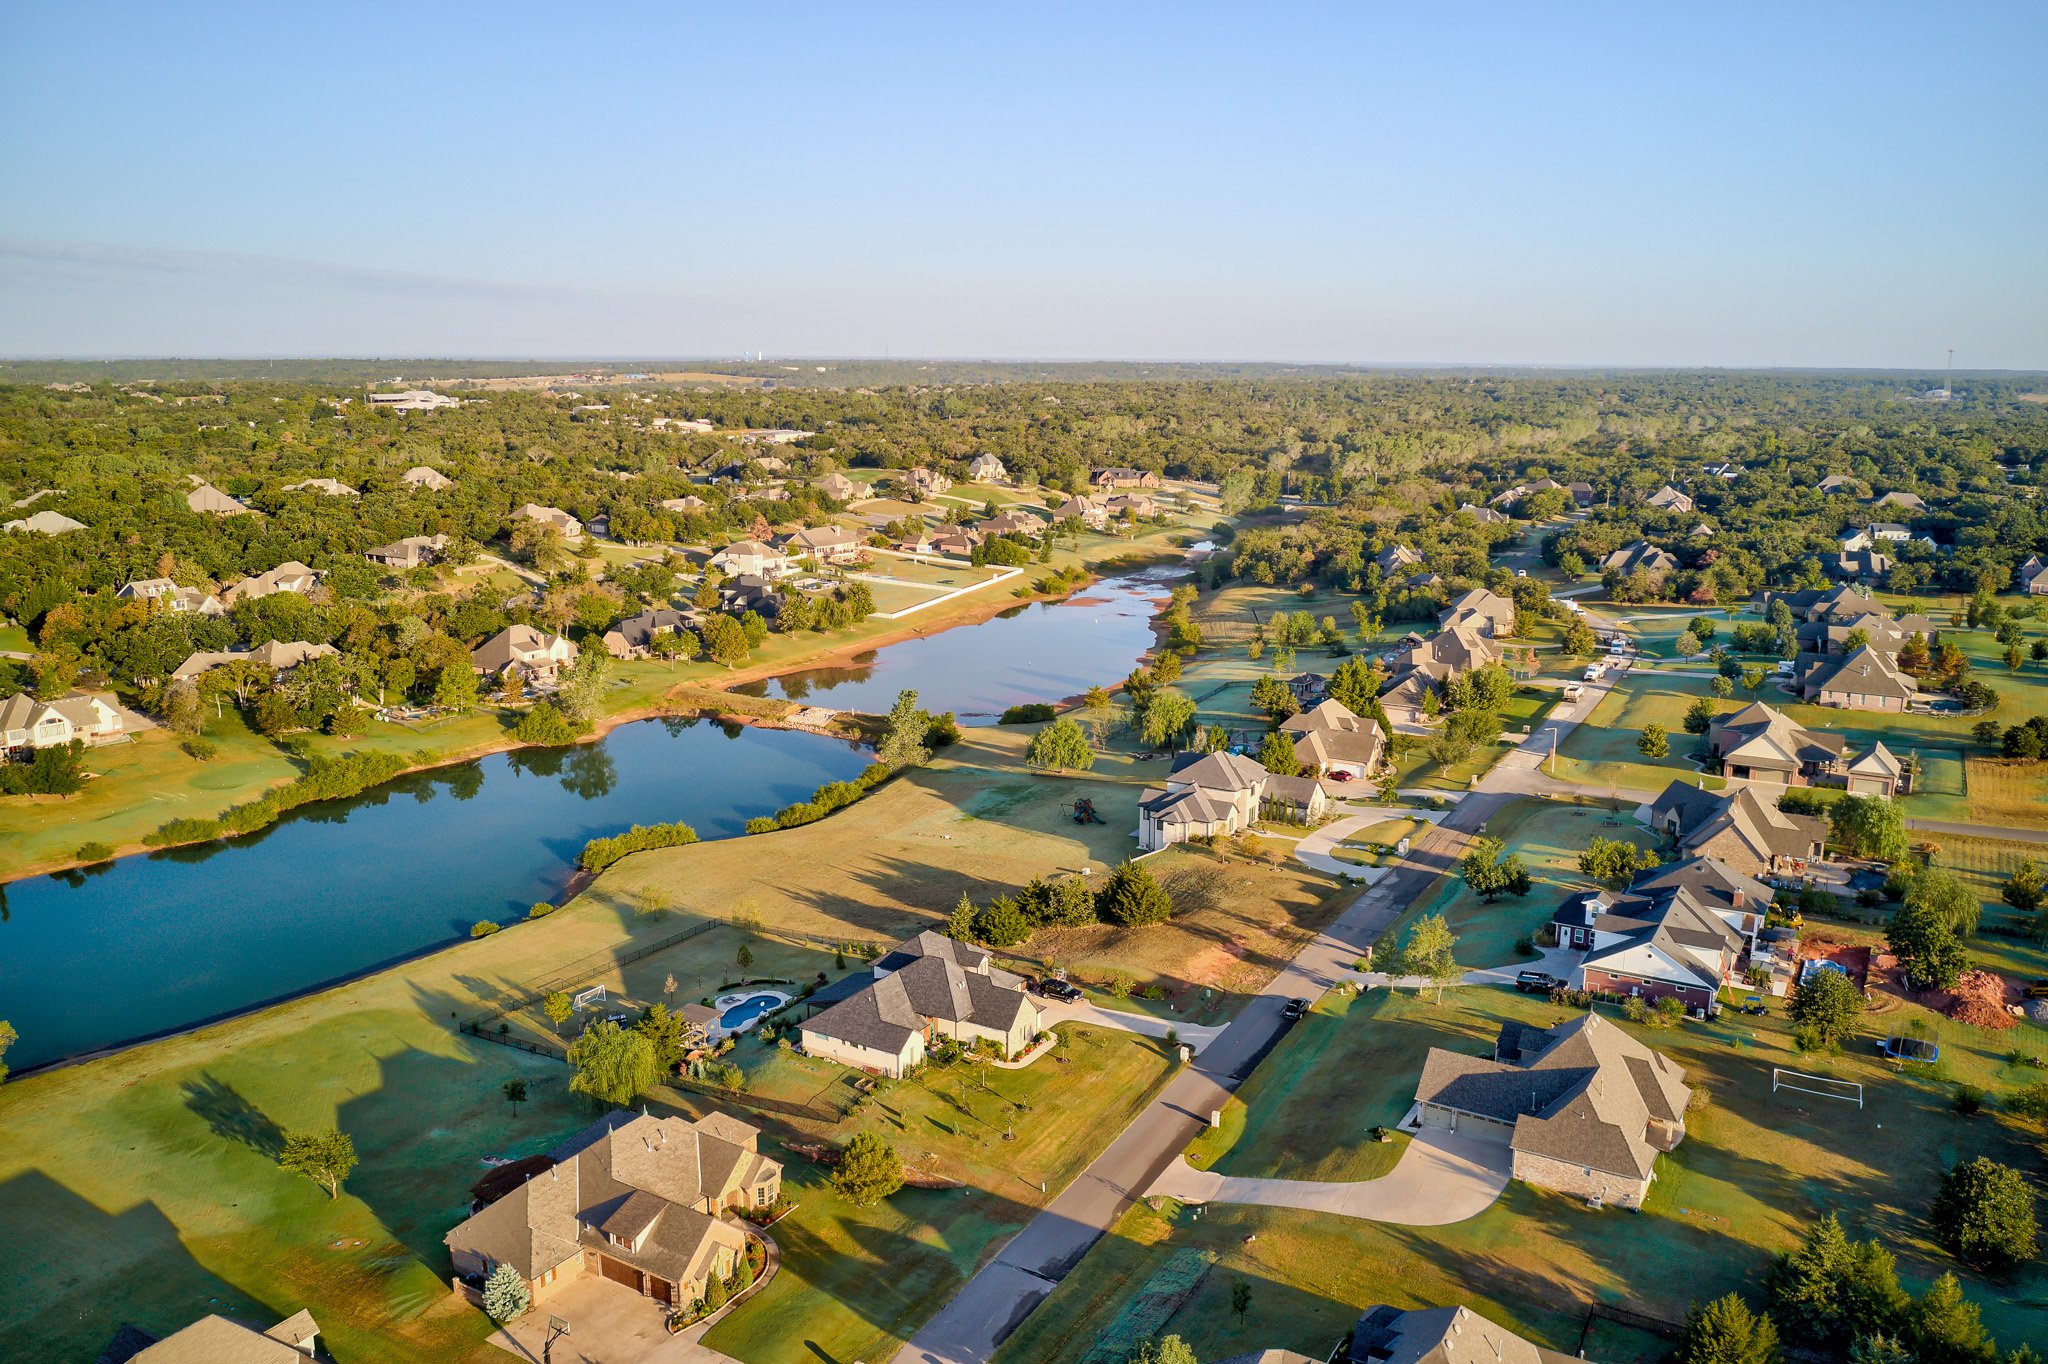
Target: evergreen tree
(1984, 1213)
(869, 1170)
(1726, 1331)
(505, 1294)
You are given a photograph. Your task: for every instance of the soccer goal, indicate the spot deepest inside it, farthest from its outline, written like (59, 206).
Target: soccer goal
(589, 999)
(1820, 1086)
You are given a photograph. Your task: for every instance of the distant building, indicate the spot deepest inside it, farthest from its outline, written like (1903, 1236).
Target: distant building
(1642, 556)
(1125, 478)
(986, 468)
(43, 523)
(569, 526)
(1743, 830)
(1911, 502)
(1394, 558)
(289, 576)
(840, 488)
(635, 636)
(210, 500)
(1330, 739)
(413, 400)
(327, 487)
(826, 544)
(2032, 576)
(196, 600)
(408, 553)
(1485, 516)
(750, 556)
(530, 654)
(274, 659)
(1668, 498)
(420, 476)
(1863, 680)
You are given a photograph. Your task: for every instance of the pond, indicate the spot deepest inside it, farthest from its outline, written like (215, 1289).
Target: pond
(151, 944)
(1045, 651)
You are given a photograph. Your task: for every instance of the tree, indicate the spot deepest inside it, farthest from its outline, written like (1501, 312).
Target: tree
(1579, 639)
(1428, 953)
(1241, 1298)
(1825, 1008)
(1721, 686)
(869, 1170)
(1060, 747)
(1491, 871)
(1655, 742)
(1753, 678)
(1275, 699)
(543, 725)
(2023, 890)
(515, 1094)
(323, 1157)
(455, 689)
(613, 1065)
(1130, 896)
(1944, 1327)
(557, 1006)
(903, 738)
(1832, 1289)
(724, 641)
(1688, 644)
(8, 1037)
(505, 1294)
(1725, 1331)
(665, 1032)
(581, 695)
(1700, 717)
(1984, 1214)
(1927, 948)
(1614, 862)
(744, 958)
(1165, 1350)
(1942, 893)
(960, 924)
(1869, 826)
(1167, 717)
(1277, 755)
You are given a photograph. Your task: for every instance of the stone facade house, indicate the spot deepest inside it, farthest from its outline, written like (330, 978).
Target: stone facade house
(1489, 613)
(1125, 478)
(569, 526)
(1760, 744)
(634, 636)
(1219, 794)
(750, 556)
(1655, 942)
(1585, 1108)
(172, 597)
(1864, 680)
(289, 576)
(925, 987)
(1742, 830)
(636, 1199)
(826, 544)
(1669, 499)
(986, 468)
(1330, 738)
(408, 553)
(1641, 556)
(531, 654)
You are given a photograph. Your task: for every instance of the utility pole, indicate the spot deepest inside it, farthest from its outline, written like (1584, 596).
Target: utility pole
(1949, 384)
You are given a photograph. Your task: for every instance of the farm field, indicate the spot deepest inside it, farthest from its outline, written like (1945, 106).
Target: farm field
(1752, 1174)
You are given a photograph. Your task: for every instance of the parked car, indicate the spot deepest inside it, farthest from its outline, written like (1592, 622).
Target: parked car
(1574, 690)
(1059, 989)
(1294, 1009)
(1340, 775)
(1538, 982)
(1785, 668)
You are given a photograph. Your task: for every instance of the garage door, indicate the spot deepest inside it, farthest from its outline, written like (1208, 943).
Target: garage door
(619, 1273)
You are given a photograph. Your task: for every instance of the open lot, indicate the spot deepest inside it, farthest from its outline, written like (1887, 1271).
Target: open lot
(1751, 1175)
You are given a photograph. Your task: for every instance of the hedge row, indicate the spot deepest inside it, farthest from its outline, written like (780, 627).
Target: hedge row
(600, 853)
(351, 774)
(832, 796)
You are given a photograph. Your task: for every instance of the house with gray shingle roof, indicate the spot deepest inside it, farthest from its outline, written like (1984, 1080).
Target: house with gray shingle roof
(1440, 1335)
(221, 1340)
(925, 987)
(1585, 1108)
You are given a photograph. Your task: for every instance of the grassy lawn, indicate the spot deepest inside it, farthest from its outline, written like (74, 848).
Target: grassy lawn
(1752, 1174)
(1603, 752)
(2010, 793)
(856, 1282)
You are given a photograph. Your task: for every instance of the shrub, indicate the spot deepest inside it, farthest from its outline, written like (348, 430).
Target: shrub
(1969, 1100)
(544, 725)
(1635, 1010)
(1984, 1214)
(761, 824)
(201, 750)
(1028, 715)
(540, 910)
(93, 852)
(482, 928)
(869, 1170)
(1670, 1011)
(600, 853)
(184, 831)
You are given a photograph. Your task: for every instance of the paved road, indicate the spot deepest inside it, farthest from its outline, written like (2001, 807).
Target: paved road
(1942, 826)
(995, 1301)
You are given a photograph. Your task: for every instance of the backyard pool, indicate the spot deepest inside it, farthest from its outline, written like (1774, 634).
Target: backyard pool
(740, 1012)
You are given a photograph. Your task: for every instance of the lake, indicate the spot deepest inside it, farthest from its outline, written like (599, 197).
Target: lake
(155, 943)
(1045, 651)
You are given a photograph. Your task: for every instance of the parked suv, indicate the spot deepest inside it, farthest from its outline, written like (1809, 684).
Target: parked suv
(1538, 982)
(1059, 989)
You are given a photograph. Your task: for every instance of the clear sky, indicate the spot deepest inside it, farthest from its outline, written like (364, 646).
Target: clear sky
(1637, 183)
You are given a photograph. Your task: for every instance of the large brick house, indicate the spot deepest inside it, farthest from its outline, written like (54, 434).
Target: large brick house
(1762, 745)
(1864, 680)
(1585, 1108)
(1678, 932)
(636, 1199)
(1742, 830)
(925, 987)
(1219, 794)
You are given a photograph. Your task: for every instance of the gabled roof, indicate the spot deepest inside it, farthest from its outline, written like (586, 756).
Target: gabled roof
(1441, 1335)
(219, 1340)
(1641, 555)
(207, 498)
(1759, 733)
(1764, 829)
(1710, 882)
(1218, 771)
(46, 523)
(1865, 672)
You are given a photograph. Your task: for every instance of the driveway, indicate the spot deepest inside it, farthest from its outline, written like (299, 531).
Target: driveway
(609, 1324)
(1080, 1011)
(1441, 1178)
(1313, 850)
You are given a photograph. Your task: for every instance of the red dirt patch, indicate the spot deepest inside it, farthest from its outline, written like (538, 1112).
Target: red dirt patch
(1981, 999)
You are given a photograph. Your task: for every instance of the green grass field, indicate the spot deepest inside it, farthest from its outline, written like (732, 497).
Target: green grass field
(1752, 1174)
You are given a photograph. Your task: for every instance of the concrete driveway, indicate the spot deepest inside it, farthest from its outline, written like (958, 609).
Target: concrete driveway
(1442, 1177)
(1194, 1035)
(609, 1324)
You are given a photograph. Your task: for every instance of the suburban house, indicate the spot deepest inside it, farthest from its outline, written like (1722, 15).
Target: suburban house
(275, 657)
(2032, 576)
(568, 525)
(1908, 502)
(1760, 744)
(1584, 1107)
(1640, 557)
(326, 487)
(289, 576)
(197, 600)
(1654, 943)
(211, 500)
(1440, 1335)
(925, 987)
(1837, 483)
(921, 483)
(1582, 493)
(1394, 558)
(1668, 498)
(221, 1340)
(750, 556)
(413, 400)
(1743, 830)
(826, 544)
(634, 636)
(43, 523)
(746, 592)
(986, 468)
(1727, 471)
(1218, 794)
(526, 652)
(420, 476)
(411, 552)
(776, 435)
(1089, 511)
(683, 505)
(1425, 666)
(27, 724)
(1485, 516)
(1487, 612)
(1125, 478)
(1859, 565)
(635, 1199)
(839, 487)
(1013, 523)
(1119, 505)
(1330, 739)
(1864, 680)
(1874, 534)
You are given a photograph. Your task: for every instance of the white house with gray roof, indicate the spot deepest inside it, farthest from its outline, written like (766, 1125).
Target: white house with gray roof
(925, 987)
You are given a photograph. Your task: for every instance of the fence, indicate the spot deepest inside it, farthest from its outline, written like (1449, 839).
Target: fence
(1623, 1316)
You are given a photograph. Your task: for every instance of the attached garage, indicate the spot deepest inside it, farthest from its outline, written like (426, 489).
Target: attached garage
(619, 1272)
(1471, 1124)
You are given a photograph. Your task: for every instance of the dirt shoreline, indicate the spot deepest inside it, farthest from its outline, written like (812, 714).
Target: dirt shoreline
(690, 698)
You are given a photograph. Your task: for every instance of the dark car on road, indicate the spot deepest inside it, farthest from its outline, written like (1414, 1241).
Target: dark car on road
(1059, 989)
(1295, 1009)
(1538, 982)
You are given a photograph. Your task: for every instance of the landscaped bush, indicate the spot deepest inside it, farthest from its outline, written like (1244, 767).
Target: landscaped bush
(600, 853)
(1028, 714)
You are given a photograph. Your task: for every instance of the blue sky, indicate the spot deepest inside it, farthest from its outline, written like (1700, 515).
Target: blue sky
(1809, 184)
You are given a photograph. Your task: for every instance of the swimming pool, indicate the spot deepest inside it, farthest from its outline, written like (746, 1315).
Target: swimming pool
(740, 1012)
